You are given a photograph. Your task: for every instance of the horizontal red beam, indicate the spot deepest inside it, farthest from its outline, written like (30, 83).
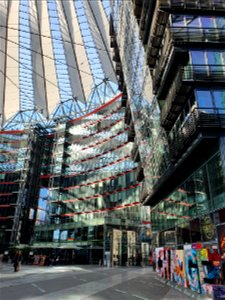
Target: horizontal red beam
(97, 132)
(103, 118)
(11, 131)
(100, 195)
(101, 180)
(169, 214)
(97, 109)
(105, 140)
(5, 218)
(98, 168)
(100, 210)
(101, 154)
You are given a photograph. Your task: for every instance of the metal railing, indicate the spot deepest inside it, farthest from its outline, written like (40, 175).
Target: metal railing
(196, 34)
(192, 4)
(171, 95)
(204, 72)
(199, 120)
(212, 73)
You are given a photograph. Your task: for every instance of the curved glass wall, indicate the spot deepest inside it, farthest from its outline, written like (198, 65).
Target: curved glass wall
(89, 181)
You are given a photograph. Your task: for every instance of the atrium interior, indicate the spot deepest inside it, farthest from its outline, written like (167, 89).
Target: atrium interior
(112, 141)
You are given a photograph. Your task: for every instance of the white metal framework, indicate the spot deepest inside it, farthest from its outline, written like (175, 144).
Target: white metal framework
(54, 52)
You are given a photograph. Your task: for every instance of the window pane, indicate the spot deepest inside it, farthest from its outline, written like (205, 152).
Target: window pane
(204, 99)
(198, 58)
(207, 22)
(219, 99)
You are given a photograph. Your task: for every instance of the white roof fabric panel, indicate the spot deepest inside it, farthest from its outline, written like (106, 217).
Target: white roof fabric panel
(11, 103)
(79, 48)
(99, 27)
(3, 32)
(49, 72)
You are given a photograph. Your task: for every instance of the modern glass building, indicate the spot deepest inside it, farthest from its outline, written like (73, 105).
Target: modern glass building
(89, 197)
(126, 114)
(68, 180)
(170, 59)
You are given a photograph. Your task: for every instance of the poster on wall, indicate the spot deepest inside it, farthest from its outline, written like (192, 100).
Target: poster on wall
(131, 245)
(221, 239)
(172, 264)
(179, 268)
(218, 292)
(167, 263)
(208, 228)
(202, 255)
(209, 269)
(159, 260)
(191, 269)
(117, 246)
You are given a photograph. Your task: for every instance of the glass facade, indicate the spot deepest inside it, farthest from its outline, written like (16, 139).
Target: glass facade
(89, 187)
(200, 194)
(173, 67)
(19, 166)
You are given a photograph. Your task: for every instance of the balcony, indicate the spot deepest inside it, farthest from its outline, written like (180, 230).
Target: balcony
(174, 52)
(201, 122)
(208, 74)
(190, 146)
(145, 21)
(167, 68)
(137, 5)
(182, 87)
(195, 36)
(193, 6)
(158, 26)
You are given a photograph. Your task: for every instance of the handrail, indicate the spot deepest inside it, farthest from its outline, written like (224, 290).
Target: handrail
(171, 95)
(191, 4)
(191, 72)
(197, 34)
(204, 72)
(201, 118)
(97, 109)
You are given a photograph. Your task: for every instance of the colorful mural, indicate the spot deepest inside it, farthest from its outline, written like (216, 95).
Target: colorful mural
(221, 240)
(179, 268)
(194, 267)
(159, 261)
(167, 263)
(191, 269)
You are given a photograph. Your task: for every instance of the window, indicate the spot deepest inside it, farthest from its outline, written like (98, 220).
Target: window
(211, 99)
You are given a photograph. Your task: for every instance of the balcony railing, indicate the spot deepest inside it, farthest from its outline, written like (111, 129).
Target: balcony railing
(182, 35)
(172, 98)
(162, 63)
(192, 4)
(178, 90)
(197, 35)
(137, 5)
(207, 73)
(200, 120)
(146, 18)
(159, 22)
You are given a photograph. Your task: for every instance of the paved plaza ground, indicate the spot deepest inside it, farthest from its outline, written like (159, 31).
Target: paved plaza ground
(86, 283)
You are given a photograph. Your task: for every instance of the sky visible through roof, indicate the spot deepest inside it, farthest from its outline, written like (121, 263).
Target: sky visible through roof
(102, 89)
